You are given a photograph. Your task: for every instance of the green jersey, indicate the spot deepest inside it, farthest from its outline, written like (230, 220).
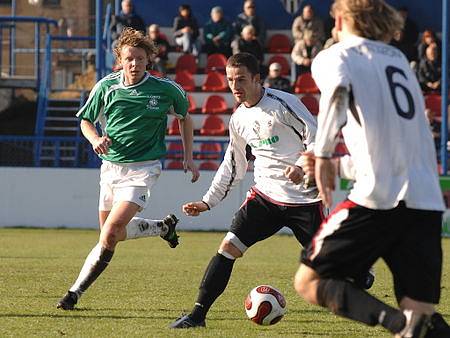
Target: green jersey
(134, 117)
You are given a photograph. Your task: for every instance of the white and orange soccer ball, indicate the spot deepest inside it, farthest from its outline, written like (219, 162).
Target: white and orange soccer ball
(265, 305)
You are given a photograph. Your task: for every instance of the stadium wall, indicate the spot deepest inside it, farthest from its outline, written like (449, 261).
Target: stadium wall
(52, 197)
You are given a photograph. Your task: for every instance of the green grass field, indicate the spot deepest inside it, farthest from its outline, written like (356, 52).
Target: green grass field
(147, 285)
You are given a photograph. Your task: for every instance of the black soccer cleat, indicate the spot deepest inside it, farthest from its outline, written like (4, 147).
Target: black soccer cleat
(438, 327)
(186, 322)
(171, 236)
(416, 326)
(68, 301)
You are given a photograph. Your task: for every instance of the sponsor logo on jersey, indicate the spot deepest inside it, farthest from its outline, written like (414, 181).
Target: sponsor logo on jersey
(265, 142)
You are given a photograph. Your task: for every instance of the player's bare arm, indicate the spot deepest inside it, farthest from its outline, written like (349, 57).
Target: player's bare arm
(100, 144)
(330, 123)
(195, 208)
(186, 130)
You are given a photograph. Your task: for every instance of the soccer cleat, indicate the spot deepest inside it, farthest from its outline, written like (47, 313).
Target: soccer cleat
(416, 326)
(186, 322)
(171, 236)
(68, 301)
(438, 328)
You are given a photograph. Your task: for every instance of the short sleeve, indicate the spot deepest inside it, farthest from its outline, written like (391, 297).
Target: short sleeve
(329, 70)
(180, 100)
(94, 105)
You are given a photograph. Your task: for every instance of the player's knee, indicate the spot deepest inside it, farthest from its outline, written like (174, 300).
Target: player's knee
(229, 250)
(109, 237)
(306, 286)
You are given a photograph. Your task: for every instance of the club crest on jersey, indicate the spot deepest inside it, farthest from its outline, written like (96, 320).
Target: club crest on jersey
(134, 92)
(153, 102)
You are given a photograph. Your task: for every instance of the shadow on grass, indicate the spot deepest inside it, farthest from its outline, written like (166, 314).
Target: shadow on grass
(73, 314)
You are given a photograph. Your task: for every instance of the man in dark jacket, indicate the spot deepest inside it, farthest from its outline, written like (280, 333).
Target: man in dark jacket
(185, 30)
(126, 18)
(217, 33)
(249, 17)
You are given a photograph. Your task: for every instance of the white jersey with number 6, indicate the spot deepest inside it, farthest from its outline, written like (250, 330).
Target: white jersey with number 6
(384, 128)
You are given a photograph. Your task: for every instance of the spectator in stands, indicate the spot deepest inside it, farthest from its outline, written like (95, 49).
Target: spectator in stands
(160, 41)
(275, 80)
(428, 37)
(407, 48)
(249, 17)
(429, 72)
(308, 21)
(217, 33)
(410, 30)
(126, 18)
(332, 39)
(185, 29)
(304, 51)
(435, 126)
(248, 43)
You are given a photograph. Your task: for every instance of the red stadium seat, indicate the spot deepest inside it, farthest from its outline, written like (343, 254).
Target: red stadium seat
(285, 66)
(174, 128)
(215, 82)
(305, 84)
(192, 104)
(279, 43)
(208, 165)
(311, 103)
(155, 73)
(210, 151)
(433, 102)
(213, 125)
(186, 62)
(185, 80)
(215, 104)
(216, 62)
(175, 150)
(174, 165)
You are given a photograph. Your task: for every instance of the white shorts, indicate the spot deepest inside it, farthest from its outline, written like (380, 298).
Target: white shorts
(129, 182)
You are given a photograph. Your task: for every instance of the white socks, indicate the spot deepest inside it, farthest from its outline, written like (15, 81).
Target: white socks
(141, 227)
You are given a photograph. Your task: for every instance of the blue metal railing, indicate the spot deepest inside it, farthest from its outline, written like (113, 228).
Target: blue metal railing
(10, 22)
(65, 151)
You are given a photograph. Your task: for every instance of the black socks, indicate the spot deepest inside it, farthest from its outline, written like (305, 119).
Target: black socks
(213, 284)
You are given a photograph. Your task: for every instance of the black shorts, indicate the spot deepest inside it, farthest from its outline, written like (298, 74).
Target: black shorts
(258, 219)
(353, 237)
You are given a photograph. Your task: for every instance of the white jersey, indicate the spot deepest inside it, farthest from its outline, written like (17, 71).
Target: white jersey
(278, 129)
(385, 127)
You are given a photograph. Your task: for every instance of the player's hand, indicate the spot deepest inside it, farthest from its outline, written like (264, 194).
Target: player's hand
(190, 165)
(325, 179)
(294, 173)
(194, 208)
(101, 144)
(307, 162)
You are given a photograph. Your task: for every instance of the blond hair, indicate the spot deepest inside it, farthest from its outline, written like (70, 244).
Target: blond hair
(134, 38)
(372, 19)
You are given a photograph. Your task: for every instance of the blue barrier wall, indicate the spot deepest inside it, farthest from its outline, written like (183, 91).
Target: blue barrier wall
(425, 13)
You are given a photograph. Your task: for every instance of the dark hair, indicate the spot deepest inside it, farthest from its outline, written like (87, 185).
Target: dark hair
(186, 7)
(244, 60)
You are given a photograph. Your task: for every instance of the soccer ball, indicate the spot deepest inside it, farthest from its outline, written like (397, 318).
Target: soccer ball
(265, 305)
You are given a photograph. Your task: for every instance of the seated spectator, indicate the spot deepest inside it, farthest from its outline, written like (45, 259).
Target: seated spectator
(185, 29)
(126, 18)
(410, 30)
(160, 60)
(249, 17)
(217, 33)
(406, 47)
(275, 80)
(428, 37)
(304, 51)
(435, 126)
(248, 43)
(429, 72)
(332, 39)
(308, 21)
